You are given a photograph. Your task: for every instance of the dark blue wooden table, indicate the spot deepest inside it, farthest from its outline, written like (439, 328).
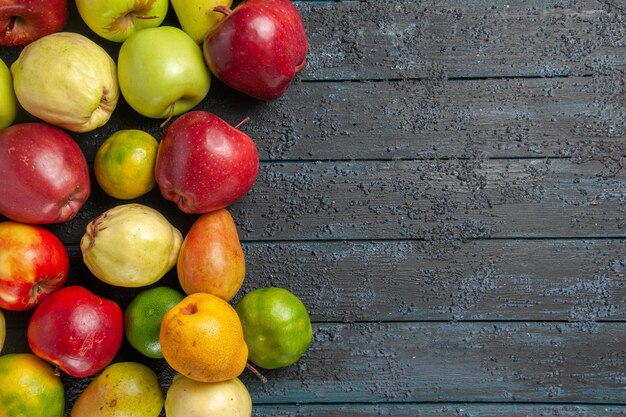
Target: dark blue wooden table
(444, 188)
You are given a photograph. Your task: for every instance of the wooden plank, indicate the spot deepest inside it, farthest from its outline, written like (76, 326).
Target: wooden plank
(431, 200)
(457, 38)
(440, 362)
(582, 282)
(578, 117)
(437, 410)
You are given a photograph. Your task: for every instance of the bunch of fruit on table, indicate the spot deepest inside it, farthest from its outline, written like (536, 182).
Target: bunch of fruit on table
(70, 84)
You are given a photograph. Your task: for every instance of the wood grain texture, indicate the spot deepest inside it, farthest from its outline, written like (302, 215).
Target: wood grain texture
(431, 410)
(430, 200)
(578, 281)
(487, 38)
(581, 118)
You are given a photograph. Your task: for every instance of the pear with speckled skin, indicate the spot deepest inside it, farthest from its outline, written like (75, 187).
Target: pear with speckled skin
(123, 389)
(66, 80)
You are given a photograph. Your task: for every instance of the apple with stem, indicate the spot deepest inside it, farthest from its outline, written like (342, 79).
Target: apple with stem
(258, 47)
(8, 102)
(162, 73)
(24, 21)
(117, 20)
(197, 17)
(204, 164)
(34, 263)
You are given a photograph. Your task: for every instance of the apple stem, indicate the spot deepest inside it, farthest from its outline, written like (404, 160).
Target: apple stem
(256, 372)
(222, 9)
(146, 17)
(57, 371)
(169, 116)
(300, 65)
(244, 121)
(11, 25)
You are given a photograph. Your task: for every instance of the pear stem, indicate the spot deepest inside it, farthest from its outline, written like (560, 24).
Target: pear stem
(256, 372)
(169, 117)
(244, 121)
(222, 9)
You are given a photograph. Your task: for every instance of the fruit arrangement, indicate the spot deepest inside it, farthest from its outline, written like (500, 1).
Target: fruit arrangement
(69, 85)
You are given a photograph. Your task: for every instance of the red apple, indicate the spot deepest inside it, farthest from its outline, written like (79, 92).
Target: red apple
(204, 164)
(33, 264)
(44, 176)
(258, 47)
(23, 21)
(76, 330)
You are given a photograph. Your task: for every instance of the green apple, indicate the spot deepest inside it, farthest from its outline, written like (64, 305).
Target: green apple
(66, 80)
(8, 102)
(197, 17)
(162, 72)
(116, 20)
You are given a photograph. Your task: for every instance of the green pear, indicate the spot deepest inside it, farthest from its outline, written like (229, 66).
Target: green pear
(189, 398)
(66, 80)
(116, 20)
(8, 102)
(197, 17)
(162, 72)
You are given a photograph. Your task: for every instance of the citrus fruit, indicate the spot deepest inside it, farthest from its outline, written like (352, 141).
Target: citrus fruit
(3, 330)
(276, 327)
(124, 164)
(30, 387)
(201, 338)
(122, 389)
(189, 398)
(143, 316)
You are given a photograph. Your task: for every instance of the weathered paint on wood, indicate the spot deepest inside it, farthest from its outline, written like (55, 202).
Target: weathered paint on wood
(486, 38)
(431, 200)
(436, 410)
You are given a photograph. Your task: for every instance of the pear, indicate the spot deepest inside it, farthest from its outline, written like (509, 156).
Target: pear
(197, 17)
(78, 90)
(189, 398)
(122, 389)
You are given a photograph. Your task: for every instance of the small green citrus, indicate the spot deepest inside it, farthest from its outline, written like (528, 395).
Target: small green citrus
(276, 327)
(124, 164)
(30, 388)
(143, 316)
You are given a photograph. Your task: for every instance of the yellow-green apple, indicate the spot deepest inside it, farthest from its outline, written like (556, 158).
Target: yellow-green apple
(76, 330)
(258, 47)
(33, 264)
(23, 21)
(162, 72)
(67, 80)
(197, 17)
(117, 20)
(211, 259)
(204, 164)
(44, 176)
(8, 102)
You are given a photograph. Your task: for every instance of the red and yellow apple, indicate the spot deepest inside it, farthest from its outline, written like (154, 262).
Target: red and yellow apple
(76, 330)
(33, 264)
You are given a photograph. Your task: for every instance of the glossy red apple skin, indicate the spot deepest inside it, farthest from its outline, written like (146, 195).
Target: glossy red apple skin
(23, 21)
(44, 176)
(76, 330)
(204, 164)
(257, 48)
(33, 264)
